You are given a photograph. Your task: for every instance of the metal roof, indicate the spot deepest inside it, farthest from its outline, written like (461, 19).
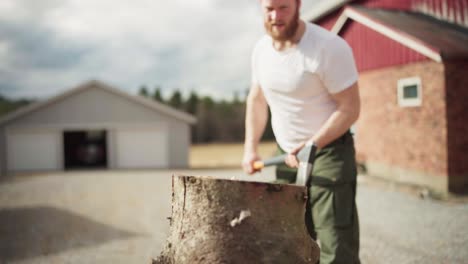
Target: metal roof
(448, 40)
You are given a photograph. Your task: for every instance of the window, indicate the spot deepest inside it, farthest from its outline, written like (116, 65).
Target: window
(409, 92)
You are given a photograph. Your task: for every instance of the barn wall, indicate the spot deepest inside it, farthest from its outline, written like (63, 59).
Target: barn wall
(404, 143)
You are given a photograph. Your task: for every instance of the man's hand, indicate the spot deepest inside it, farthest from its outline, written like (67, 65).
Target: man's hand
(291, 160)
(248, 161)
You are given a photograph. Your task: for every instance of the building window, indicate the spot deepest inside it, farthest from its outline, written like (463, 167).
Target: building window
(409, 92)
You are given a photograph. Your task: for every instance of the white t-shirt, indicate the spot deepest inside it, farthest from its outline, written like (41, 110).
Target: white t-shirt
(297, 83)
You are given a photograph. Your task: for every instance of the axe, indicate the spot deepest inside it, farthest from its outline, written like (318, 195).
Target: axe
(306, 157)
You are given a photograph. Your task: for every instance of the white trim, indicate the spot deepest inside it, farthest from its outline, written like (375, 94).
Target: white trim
(60, 151)
(340, 22)
(391, 33)
(409, 102)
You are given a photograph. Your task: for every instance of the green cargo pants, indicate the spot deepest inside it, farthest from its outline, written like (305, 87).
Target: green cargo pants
(331, 216)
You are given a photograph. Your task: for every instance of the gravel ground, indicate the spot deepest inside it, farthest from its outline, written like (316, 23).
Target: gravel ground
(400, 227)
(120, 217)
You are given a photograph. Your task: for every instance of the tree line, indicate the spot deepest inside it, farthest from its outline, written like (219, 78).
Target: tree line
(217, 120)
(8, 105)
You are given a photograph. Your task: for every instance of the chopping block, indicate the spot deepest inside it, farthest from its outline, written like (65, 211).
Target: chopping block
(231, 221)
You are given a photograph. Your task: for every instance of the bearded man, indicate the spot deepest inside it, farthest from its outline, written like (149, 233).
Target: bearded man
(308, 78)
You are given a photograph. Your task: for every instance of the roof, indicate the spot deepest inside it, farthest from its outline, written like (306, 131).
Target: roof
(436, 39)
(314, 11)
(156, 106)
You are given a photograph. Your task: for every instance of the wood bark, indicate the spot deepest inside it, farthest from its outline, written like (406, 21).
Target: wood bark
(230, 221)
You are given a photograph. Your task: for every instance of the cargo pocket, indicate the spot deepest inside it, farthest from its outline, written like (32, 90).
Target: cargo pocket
(343, 205)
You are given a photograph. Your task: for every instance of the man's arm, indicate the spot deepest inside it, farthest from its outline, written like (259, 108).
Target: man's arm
(256, 118)
(347, 112)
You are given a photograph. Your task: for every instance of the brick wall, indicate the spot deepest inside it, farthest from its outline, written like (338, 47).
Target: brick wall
(409, 138)
(457, 118)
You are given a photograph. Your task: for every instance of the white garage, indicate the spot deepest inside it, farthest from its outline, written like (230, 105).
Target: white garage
(94, 126)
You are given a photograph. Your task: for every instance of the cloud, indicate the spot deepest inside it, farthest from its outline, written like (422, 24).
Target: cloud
(48, 46)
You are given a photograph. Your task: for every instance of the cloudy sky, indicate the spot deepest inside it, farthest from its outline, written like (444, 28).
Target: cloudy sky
(49, 46)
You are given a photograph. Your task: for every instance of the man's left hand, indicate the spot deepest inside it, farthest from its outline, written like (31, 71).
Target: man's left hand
(291, 159)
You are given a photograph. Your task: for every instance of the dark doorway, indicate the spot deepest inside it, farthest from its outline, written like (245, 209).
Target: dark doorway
(85, 149)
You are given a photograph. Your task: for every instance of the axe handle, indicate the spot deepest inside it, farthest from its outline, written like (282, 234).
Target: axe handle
(269, 162)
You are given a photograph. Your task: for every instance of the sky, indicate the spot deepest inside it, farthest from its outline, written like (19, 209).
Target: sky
(50, 46)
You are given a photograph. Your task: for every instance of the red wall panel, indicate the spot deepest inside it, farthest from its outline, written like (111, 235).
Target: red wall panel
(373, 50)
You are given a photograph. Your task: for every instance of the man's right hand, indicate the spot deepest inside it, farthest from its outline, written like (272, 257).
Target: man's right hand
(248, 161)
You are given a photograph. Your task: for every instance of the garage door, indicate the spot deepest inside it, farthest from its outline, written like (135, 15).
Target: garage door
(29, 151)
(142, 148)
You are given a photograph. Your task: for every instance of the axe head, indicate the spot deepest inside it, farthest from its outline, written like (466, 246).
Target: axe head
(306, 159)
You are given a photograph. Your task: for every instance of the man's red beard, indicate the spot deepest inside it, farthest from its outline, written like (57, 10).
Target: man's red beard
(288, 32)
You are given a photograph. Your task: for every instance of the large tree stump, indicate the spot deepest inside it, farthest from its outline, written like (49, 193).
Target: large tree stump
(228, 221)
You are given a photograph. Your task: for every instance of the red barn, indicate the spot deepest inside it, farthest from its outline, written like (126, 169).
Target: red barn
(412, 56)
